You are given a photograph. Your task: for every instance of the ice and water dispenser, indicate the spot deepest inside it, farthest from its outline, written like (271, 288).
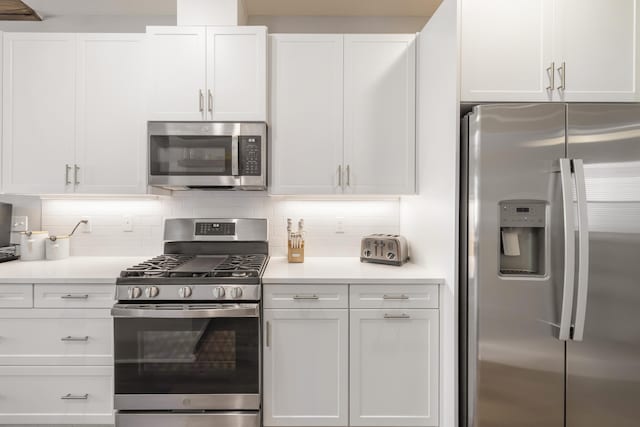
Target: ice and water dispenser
(523, 226)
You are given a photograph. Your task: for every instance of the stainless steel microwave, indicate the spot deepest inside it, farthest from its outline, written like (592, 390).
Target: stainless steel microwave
(208, 155)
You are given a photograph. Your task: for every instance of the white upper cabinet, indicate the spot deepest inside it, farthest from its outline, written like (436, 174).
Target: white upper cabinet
(343, 114)
(550, 50)
(110, 111)
(207, 73)
(379, 114)
(306, 113)
(38, 126)
(176, 73)
(237, 73)
(506, 50)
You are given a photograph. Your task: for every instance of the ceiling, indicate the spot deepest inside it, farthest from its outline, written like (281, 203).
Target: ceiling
(254, 7)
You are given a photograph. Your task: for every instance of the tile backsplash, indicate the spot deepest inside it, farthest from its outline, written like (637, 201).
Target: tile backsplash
(323, 218)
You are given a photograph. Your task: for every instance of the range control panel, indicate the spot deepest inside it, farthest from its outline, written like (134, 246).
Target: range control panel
(215, 229)
(250, 155)
(522, 214)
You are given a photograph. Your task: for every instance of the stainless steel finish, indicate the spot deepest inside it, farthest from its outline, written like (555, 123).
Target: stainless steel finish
(234, 155)
(205, 419)
(247, 229)
(76, 169)
(340, 176)
(66, 176)
(348, 171)
(551, 72)
(306, 297)
(512, 153)
(564, 330)
(236, 292)
(268, 334)
(603, 370)
(210, 101)
(70, 396)
(181, 182)
(583, 251)
(198, 292)
(185, 311)
(200, 100)
(395, 297)
(218, 292)
(151, 292)
(133, 293)
(151, 402)
(75, 296)
(397, 316)
(75, 339)
(389, 249)
(562, 70)
(185, 292)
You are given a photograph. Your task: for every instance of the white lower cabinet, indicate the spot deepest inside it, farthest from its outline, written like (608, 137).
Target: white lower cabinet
(306, 367)
(394, 367)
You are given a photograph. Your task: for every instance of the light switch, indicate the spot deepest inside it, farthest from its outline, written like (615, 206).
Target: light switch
(19, 223)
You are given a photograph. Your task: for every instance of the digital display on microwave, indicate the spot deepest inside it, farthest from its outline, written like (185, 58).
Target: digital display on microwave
(215, 229)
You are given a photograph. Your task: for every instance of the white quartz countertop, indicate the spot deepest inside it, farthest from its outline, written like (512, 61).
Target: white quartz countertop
(328, 270)
(76, 269)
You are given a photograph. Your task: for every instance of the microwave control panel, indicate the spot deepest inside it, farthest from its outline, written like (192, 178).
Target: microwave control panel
(250, 155)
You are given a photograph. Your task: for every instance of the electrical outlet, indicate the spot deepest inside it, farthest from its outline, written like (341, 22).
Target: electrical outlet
(339, 225)
(19, 223)
(127, 223)
(86, 228)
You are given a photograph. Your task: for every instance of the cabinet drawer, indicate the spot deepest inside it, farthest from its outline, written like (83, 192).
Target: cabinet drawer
(55, 395)
(394, 296)
(15, 296)
(74, 296)
(306, 296)
(55, 341)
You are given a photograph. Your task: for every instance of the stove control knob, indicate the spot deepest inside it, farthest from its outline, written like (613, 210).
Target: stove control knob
(134, 292)
(185, 292)
(218, 292)
(152, 292)
(236, 293)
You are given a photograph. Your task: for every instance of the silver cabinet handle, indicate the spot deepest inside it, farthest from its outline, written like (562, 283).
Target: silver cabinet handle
(75, 339)
(76, 169)
(583, 250)
(66, 174)
(210, 102)
(551, 72)
(201, 100)
(235, 156)
(75, 296)
(268, 333)
(306, 297)
(70, 396)
(569, 250)
(397, 316)
(562, 70)
(395, 297)
(339, 175)
(348, 176)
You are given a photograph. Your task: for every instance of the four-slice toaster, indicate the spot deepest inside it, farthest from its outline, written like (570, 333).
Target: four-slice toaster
(389, 249)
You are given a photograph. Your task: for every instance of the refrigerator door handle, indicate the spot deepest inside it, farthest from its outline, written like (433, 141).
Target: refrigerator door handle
(583, 250)
(569, 250)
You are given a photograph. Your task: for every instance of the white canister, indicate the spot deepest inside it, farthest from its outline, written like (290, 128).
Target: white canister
(32, 245)
(57, 247)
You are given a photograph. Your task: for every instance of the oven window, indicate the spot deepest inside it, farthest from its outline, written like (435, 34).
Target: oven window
(187, 356)
(190, 155)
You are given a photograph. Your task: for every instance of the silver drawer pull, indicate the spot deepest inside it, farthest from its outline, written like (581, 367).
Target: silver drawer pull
(70, 338)
(395, 297)
(303, 297)
(396, 316)
(70, 396)
(75, 296)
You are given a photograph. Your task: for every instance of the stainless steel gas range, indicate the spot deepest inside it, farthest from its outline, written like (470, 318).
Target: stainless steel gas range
(187, 328)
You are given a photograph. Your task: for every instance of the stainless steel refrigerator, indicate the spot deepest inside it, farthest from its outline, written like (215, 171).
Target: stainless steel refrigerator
(550, 266)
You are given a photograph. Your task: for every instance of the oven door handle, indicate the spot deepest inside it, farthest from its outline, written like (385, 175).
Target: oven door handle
(244, 310)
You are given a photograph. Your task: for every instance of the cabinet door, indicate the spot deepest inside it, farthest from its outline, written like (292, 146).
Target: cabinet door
(110, 111)
(305, 367)
(237, 74)
(379, 119)
(38, 129)
(506, 48)
(598, 42)
(394, 367)
(176, 73)
(306, 113)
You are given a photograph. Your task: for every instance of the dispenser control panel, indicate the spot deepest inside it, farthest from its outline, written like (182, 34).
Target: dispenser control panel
(522, 214)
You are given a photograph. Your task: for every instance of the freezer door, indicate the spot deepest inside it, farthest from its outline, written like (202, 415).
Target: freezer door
(603, 370)
(514, 361)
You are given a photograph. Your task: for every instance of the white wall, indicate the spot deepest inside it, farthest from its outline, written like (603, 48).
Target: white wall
(340, 24)
(359, 217)
(431, 217)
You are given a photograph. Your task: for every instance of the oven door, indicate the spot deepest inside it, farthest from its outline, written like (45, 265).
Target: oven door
(187, 356)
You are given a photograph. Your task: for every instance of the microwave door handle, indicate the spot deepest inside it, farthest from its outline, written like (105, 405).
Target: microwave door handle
(569, 250)
(234, 155)
(583, 250)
